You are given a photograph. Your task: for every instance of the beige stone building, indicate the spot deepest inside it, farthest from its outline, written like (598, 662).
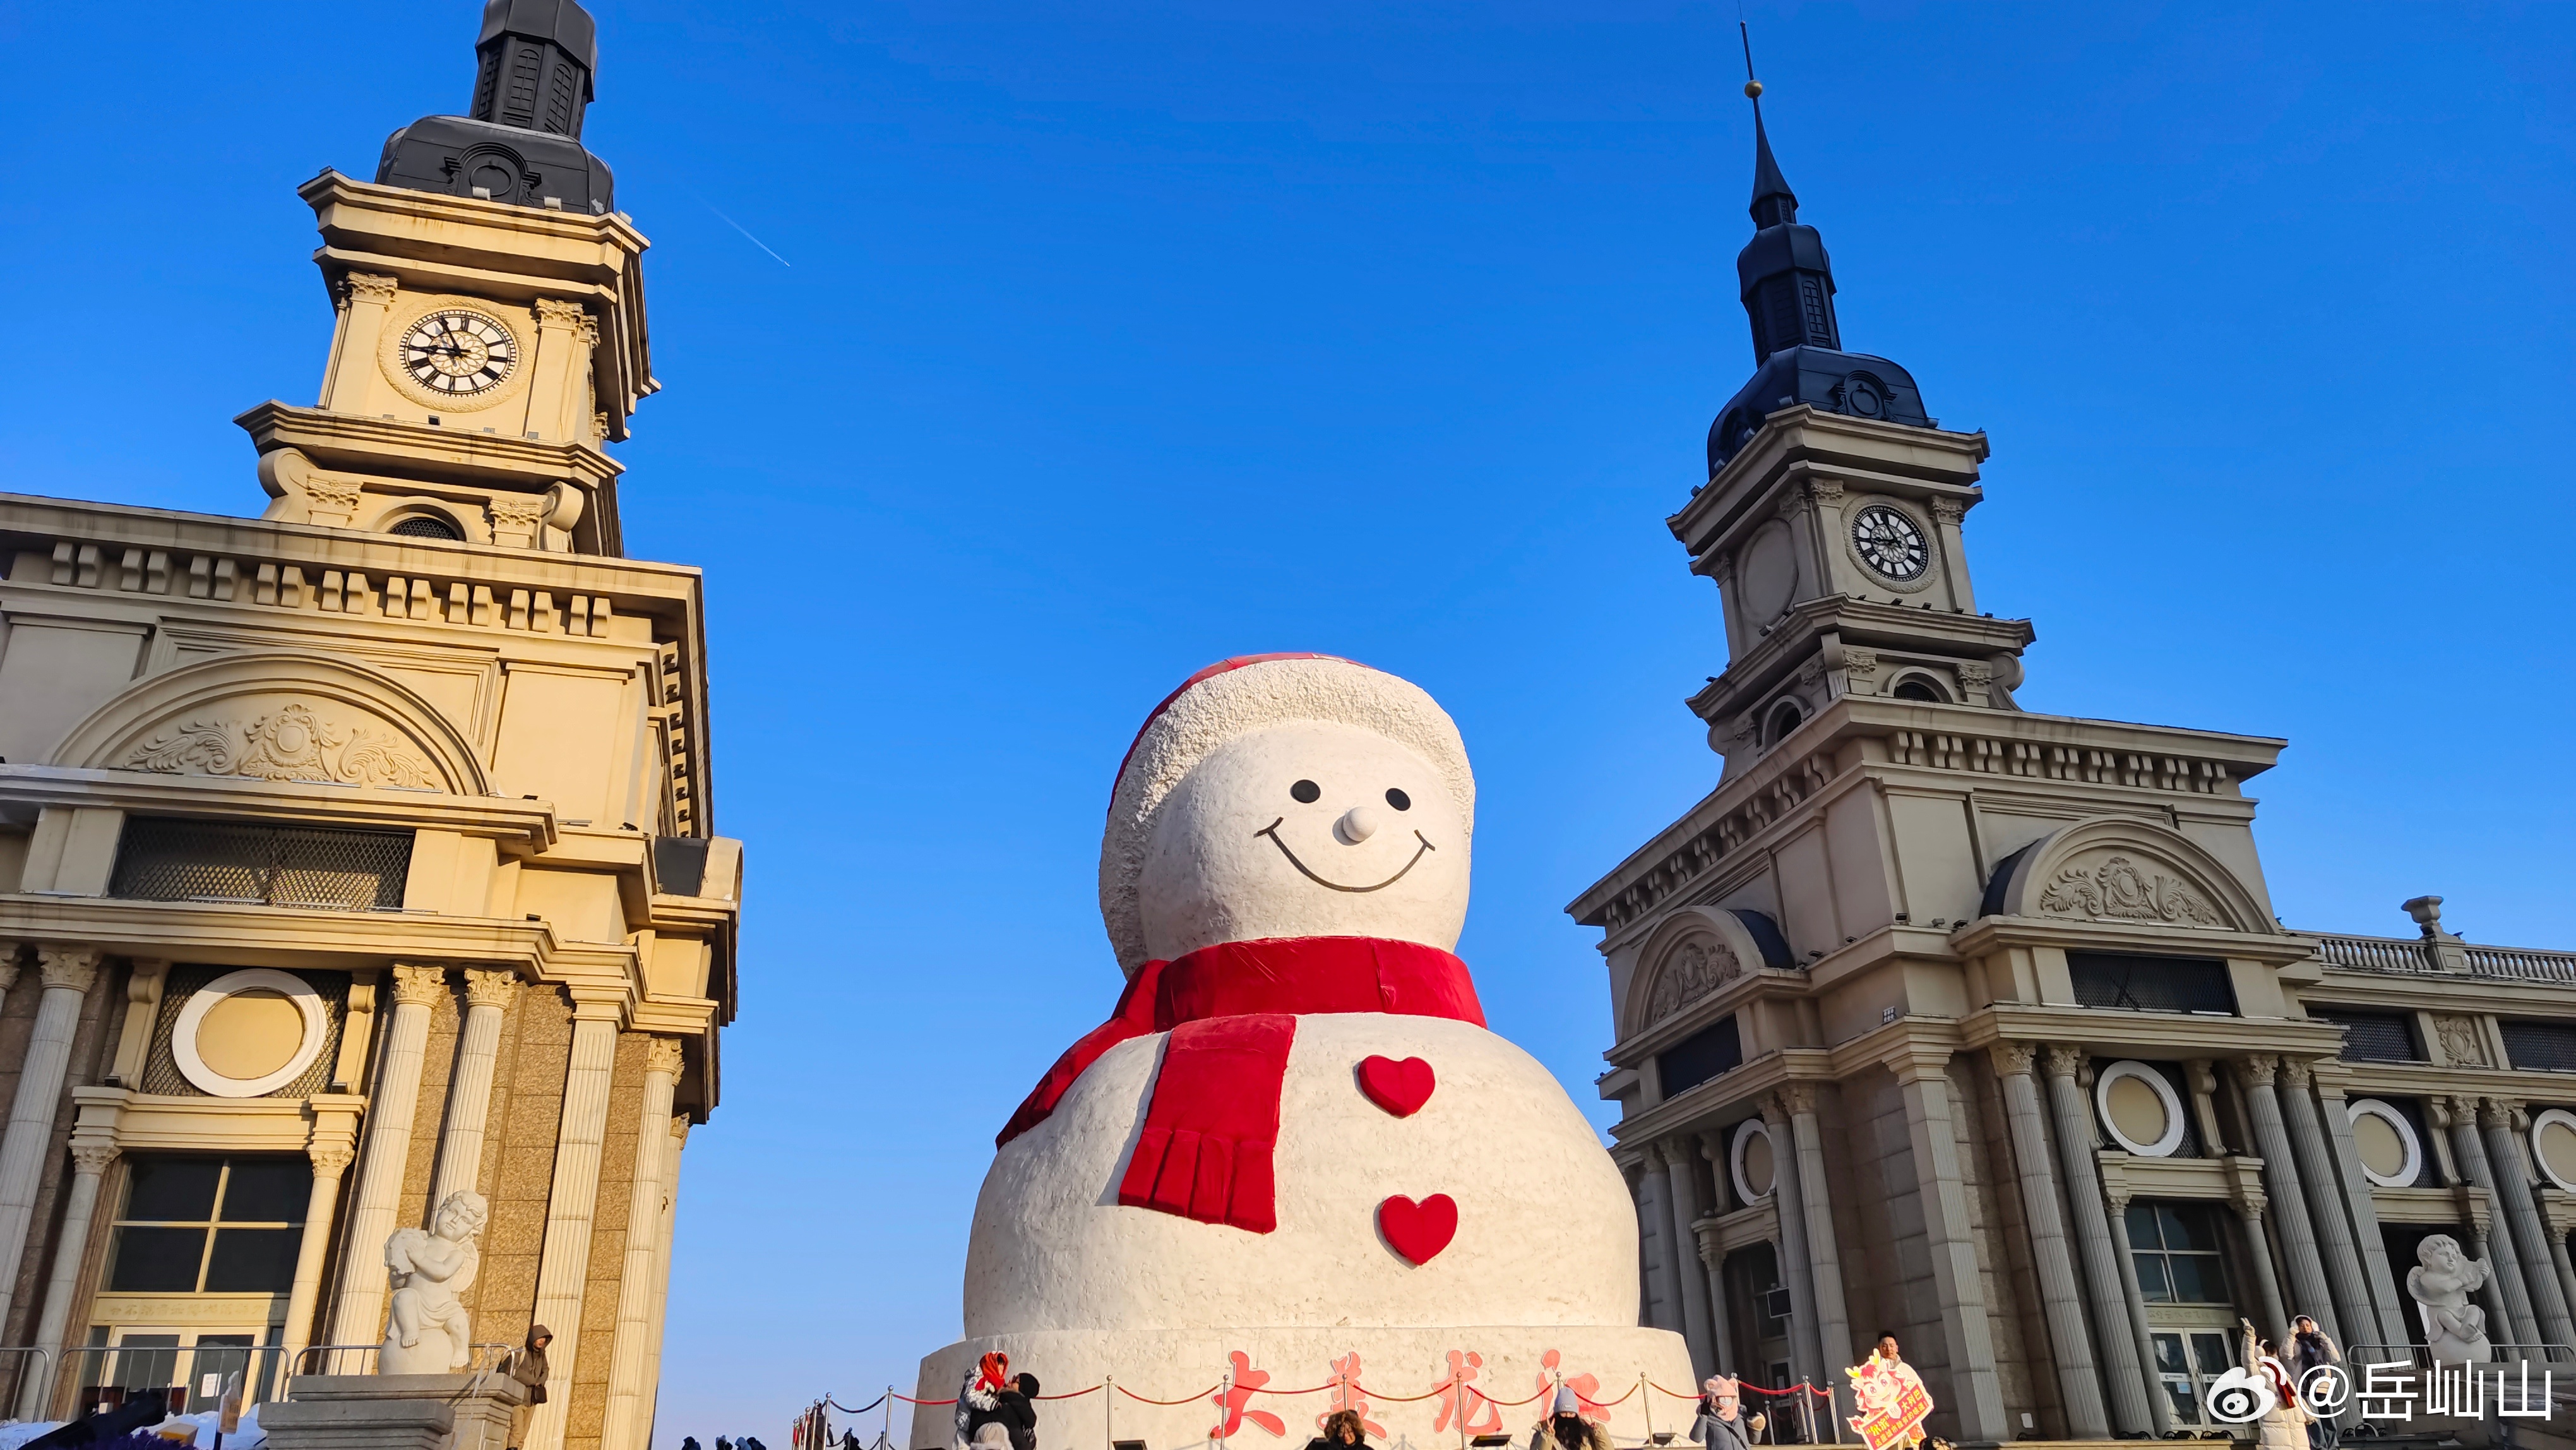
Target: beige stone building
(1975, 1025)
(361, 852)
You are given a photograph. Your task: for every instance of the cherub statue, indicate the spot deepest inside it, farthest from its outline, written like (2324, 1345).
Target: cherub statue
(2454, 1328)
(427, 1331)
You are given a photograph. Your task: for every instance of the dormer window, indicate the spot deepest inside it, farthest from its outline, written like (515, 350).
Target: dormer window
(428, 526)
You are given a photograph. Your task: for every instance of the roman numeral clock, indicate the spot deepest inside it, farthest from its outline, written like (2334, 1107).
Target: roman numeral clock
(457, 353)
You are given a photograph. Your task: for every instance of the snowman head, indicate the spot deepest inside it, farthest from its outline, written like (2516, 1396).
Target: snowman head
(1288, 795)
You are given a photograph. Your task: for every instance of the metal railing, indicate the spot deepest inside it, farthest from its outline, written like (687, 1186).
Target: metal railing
(86, 1378)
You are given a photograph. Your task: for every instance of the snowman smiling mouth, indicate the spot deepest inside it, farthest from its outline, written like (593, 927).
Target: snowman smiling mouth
(1272, 831)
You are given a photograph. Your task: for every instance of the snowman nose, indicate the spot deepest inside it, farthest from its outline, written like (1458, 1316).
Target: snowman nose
(1356, 825)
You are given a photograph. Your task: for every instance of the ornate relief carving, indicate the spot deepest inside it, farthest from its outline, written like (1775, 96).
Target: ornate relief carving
(2117, 890)
(294, 743)
(1798, 1097)
(1948, 511)
(2062, 1060)
(71, 967)
(1700, 966)
(1976, 675)
(331, 493)
(553, 312)
(418, 986)
(2495, 1113)
(2463, 1043)
(1825, 491)
(2257, 1070)
(366, 287)
(92, 1158)
(2012, 1059)
(330, 1160)
(2295, 1073)
(662, 1055)
(1860, 664)
(490, 987)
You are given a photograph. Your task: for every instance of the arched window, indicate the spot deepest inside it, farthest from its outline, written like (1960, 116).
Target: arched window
(1918, 687)
(429, 526)
(1785, 717)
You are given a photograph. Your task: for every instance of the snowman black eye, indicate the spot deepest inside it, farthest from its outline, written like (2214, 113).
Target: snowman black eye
(1306, 792)
(1398, 799)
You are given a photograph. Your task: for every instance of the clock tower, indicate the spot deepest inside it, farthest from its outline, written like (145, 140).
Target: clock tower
(490, 333)
(1831, 519)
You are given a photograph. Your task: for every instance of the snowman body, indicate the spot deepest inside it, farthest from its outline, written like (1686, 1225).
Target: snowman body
(1545, 1235)
(1273, 801)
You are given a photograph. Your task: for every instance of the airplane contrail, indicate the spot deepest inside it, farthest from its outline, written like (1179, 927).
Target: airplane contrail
(746, 232)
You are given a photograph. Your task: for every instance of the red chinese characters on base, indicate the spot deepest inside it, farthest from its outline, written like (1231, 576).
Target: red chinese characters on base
(1236, 1394)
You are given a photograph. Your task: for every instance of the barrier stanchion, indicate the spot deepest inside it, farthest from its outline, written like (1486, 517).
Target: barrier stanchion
(1648, 1401)
(1108, 1422)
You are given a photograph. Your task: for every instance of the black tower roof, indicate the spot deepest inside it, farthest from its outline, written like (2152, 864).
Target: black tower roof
(1787, 285)
(532, 82)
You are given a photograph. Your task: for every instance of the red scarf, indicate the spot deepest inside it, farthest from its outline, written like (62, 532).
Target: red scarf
(1213, 1119)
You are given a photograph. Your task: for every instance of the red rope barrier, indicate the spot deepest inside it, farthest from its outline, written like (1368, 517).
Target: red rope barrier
(1184, 1400)
(1398, 1399)
(1507, 1404)
(1317, 1390)
(909, 1400)
(1077, 1394)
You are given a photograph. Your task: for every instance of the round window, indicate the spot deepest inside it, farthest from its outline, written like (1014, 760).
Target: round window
(2385, 1142)
(1749, 1162)
(2553, 1144)
(249, 1032)
(2142, 1111)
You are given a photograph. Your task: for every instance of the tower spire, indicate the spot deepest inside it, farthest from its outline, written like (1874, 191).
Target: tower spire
(1787, 286)
(520, 143)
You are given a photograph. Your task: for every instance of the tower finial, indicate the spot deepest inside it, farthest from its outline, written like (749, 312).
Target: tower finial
(1774, 204)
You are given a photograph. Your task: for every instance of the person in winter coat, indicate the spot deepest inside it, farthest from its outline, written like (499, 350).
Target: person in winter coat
(1343, 1430)
(1565, 1428)
(1720, 1423)
(979, 1399)
(528, 1367)
(1015, 1409)
(2310, 1347)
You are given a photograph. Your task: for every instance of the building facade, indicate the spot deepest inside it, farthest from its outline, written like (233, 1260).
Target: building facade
(1942, 1018)
(361, 853)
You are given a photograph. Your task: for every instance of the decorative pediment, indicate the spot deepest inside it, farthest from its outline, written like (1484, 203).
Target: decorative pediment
(2123, 871)
(1693, 954)
(278, 715)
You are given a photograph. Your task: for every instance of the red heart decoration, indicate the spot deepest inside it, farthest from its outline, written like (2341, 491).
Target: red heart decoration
(1399, 1087)
(1418, 1231)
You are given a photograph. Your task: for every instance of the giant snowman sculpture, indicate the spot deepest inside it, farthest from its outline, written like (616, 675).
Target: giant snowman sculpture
(1293, 1156)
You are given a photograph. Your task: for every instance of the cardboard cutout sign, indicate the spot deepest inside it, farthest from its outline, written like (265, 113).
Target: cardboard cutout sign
(1893, 1403)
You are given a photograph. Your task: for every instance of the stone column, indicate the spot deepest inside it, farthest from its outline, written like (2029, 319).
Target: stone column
(2249, 1211)
(1976, 1391)
(2396, 1321)
(469, 1089)
(626, 1427)
(563, 1266)
(2117, 1323)
(2522, 1222)
(1721, 1332)
(1663, 1306)
(90, 1158)
(359, 1315)
(2255, 1075)
(2328, 1209)
(2558, 1260)
(2116, 1193)
(332, 1147)
(2061, 1298)
(1824, 1254)
(1789, 1207)
(662, 1266)
(2510, 1280)
(68, 972)
(1684, 1184)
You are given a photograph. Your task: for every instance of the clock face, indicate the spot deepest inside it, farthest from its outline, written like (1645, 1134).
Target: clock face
(459, 353)
(1890, 542)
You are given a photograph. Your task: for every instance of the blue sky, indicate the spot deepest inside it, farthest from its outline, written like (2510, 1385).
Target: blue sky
(1113, 340)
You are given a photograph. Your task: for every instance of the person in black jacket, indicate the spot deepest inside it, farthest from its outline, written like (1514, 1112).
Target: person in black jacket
(1343, 1430)
(1015, 1410)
